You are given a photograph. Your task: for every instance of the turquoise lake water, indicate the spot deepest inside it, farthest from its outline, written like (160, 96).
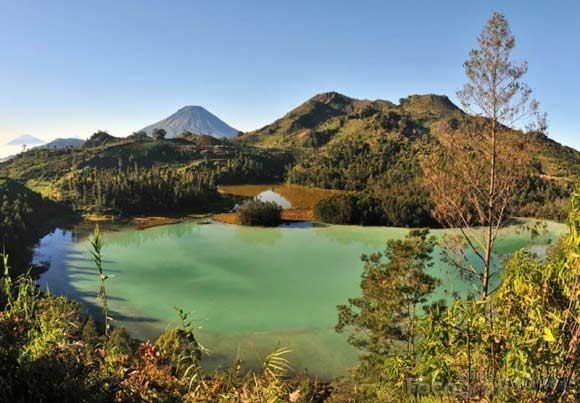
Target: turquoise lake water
(247, 288)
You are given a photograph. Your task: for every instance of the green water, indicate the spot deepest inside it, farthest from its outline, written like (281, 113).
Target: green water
(247, 288)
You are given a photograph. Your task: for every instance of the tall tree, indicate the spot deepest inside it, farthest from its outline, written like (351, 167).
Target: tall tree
(473, 179)
(159, 134)
(394, 285)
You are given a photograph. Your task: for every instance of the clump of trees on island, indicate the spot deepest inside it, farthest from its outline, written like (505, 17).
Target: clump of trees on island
(260, 214)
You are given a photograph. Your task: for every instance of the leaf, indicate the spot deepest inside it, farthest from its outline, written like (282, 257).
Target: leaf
(548, 336)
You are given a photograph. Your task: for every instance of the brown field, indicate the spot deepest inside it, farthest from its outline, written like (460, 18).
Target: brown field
(298, 215)
(99, 217)
(228, 218)
(301, 197)
(303, 200)
(287, 215)
(149, 222)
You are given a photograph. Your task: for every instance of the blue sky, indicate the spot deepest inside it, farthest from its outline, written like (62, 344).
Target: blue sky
(68, 68)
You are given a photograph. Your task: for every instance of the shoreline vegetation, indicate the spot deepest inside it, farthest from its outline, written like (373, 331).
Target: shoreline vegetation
(55, 350)
(303, 200)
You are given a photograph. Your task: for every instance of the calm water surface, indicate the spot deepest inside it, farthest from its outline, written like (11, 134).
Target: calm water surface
(247, 288)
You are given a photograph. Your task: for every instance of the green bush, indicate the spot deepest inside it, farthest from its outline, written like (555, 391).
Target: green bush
(383, 208)
(179, 349)
(257, 213)
(90, 335)
(120, 342)
(340, 209)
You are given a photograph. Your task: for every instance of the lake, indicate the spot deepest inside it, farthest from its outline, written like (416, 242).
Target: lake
(247, 288)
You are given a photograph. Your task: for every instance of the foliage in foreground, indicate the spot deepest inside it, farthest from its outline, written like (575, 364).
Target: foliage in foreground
(521, 343)
(51, 350)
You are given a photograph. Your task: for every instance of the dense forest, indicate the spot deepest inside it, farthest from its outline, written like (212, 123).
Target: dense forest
(141, 175)
(137, 190)
(24, 217)
(383, 180)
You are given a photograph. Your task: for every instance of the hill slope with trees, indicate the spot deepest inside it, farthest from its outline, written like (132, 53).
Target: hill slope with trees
(374, 148)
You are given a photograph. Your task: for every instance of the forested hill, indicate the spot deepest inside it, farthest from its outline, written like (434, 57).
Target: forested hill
(138, 175)
(23, 219)
(329, 119)
(373, 148)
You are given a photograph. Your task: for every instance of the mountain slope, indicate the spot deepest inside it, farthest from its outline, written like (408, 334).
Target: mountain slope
(373, 149)
(62, 143)
(100, 138)
(194, 119)
(326, 116)
(331, 119)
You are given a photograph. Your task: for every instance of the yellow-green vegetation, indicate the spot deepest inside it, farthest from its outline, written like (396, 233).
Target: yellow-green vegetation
(44, 188)
(521, 343)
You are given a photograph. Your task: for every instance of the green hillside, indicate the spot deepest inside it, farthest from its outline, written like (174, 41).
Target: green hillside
(106, 171)
(330, 117)
(24, 218)
(371, 149)
(374, 147)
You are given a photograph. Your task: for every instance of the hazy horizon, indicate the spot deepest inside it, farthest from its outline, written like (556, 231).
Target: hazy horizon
(249, 64)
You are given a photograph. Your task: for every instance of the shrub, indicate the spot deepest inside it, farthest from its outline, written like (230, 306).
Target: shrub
(257, 213)
(383, 208)
(340, 209)
(90, 335)
(120, 342)
(179, 349)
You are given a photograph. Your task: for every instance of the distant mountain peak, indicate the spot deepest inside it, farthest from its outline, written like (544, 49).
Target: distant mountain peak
(193, 107)
(195, 119)
(25, 139)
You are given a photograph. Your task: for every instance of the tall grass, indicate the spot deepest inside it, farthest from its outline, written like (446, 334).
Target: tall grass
(97, 246)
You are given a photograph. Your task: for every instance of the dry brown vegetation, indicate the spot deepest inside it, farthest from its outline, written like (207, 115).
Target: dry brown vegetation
(302, 198)
(149, 222)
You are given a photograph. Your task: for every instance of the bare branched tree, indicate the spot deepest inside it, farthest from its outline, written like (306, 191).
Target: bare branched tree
(472, 180)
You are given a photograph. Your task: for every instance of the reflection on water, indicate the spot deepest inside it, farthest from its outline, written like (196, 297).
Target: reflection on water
(246, 287)
(271, 196)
